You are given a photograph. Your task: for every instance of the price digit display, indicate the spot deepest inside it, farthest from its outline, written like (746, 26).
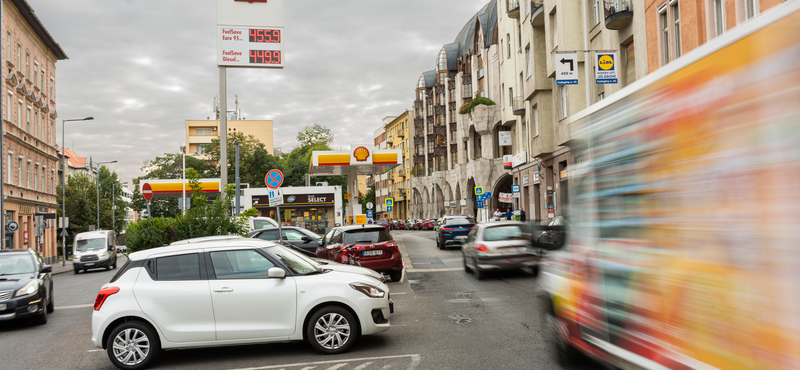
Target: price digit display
(270, 36)
(265, 57)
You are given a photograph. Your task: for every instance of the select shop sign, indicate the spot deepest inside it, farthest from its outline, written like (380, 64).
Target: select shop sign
(296, 199)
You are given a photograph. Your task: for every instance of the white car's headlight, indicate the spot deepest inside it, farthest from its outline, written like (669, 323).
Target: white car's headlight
(30, 288)
(102, 254)
(76, 257)
(368, 290)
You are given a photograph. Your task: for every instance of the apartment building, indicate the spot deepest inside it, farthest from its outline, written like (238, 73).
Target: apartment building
(199, 133)
(398, 136)
(30, 54)
(676, 27)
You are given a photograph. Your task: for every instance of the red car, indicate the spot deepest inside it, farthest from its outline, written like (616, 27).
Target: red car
(428, 224)
(375, 248)
(420, 224)
(399, 225)
(385, 224)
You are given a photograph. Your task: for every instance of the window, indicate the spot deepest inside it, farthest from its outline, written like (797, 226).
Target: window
(595, 11)
(241, 264)
(535, 115)
(19, 56)
(19, 171)
(453, 160)
(8, 46)
(563, 95)
(676, 21)
(442, 163)
(28, 120)
(183, 267)
(430, 147)
(28, 175)
(528, 59)
(508, 46)
(10, 168)
(200, 148)
(510, 96)
(10, 105)
(601, 96)
(52, 182)
(52, 83)
(35, 72)
(750, 8)
(664, 26)
(719, 17)
(19, 113)
(41, 81)
(27, 65)
(44, 186)
(553, 30)
(35, 121)
(203, 131)
(36, 177)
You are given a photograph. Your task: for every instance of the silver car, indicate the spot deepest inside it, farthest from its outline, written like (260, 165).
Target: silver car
(497, 246)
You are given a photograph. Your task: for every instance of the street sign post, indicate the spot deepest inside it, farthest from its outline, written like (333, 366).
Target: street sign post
(515, 189)
(480, 204)
(274, 179)
(370, 214)
(479, 190)
(389, 202)
(275, 197)
(370, 205)
(566, 68)
(361, 219)
(147, 193)
(388, 208)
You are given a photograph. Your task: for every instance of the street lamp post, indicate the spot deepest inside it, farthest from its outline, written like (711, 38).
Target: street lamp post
(97, 177)
(64, 190)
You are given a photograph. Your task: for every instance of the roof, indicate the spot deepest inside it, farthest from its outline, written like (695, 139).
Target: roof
(487, 17)
(73, 160)
(207, 244)
(27, 12)
(452, 56)
(430, 78)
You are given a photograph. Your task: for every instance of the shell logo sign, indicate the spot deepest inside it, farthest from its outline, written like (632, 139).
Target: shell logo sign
(361, 154)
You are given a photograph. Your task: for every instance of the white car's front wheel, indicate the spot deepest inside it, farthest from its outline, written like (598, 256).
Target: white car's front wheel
(132, 345)
(331, 330)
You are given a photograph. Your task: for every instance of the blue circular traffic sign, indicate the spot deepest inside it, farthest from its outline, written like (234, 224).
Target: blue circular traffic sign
(274, 179)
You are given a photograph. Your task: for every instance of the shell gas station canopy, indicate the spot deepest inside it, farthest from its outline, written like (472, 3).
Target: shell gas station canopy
(173, 188)
(360, 161)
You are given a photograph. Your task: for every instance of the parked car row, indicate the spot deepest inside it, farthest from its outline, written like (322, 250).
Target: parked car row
(420, 224)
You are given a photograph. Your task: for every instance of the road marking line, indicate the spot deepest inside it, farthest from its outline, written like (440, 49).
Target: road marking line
(75, 306)
(435, 270)
(399, 293)
(362, 367)
(96, 350)
(334, 367)
(415, 360)
(308, 368)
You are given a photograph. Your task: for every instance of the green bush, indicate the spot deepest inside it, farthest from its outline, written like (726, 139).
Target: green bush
(478, 100)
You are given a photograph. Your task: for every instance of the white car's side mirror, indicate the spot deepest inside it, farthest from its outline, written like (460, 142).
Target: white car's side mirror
(276, 273)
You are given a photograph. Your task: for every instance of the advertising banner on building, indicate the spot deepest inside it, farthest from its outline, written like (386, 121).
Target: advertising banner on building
(504, 138)
(505, 197)
(606, 68)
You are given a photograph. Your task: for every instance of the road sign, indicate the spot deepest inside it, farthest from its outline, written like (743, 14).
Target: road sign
(369, 206)
(361, 219)
(370, 213)
(147, 191)
(388, 208)
(389, 202)
(14, 226)
(485, 196)
(479, 190)
(274, 179)
(606, 71)
(566, 68)
(480, 204)
(515, 190)
(275, 197)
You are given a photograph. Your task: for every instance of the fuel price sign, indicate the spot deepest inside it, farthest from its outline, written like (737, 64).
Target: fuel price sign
(250, 46)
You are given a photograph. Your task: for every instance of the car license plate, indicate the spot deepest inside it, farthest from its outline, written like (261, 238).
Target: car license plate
(89, 264)
(2, 306)
(373, 253)
(461, 237)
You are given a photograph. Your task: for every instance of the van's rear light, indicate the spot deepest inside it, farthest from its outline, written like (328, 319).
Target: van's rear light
(481, 248)
(101, 297)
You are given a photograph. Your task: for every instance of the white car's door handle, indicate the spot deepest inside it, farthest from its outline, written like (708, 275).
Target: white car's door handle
(223, 290)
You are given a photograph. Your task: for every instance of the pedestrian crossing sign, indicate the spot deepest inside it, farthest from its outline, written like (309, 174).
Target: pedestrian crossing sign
(389, 202)
(479, 190)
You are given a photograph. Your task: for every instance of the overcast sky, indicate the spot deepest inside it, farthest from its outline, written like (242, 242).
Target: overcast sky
(141, 68)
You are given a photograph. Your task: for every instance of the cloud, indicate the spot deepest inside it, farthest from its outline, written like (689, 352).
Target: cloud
(143, 67)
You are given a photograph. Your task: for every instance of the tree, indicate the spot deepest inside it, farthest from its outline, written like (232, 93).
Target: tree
(110, 197)
(254, 160)
(315, 135)
(80, 205)
(369, 197)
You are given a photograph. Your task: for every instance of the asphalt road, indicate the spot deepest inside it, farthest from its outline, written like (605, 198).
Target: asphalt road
(444, 319)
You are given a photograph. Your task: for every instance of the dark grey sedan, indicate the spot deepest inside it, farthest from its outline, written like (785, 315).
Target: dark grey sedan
(296, 236)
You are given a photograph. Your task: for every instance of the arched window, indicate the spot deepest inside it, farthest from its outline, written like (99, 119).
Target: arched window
(441, 67)
(421, 87)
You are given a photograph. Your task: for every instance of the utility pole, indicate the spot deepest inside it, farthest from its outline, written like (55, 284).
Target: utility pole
(236, 203)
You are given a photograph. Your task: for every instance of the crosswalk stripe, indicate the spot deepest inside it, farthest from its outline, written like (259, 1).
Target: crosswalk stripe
(334, 367)
(362, 366)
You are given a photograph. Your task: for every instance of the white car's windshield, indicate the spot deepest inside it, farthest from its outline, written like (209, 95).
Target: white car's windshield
(85, 245)
(262, 224)
(497, 233)
(298, 265)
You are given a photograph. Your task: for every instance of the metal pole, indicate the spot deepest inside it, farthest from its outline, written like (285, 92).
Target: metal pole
(280, 229)
(587, 56)
(236, 211)
(97, 177)
(148, 209)
(223, 128)
(63, 196)
(183, 184)
(113, 203)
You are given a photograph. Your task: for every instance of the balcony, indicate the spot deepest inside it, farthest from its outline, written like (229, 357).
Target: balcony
(453, 125)
(418, 104)
(440, 130)
(466, 78)
(618, 14)
(518, 105)
(390, 140)
(429, 119)
(537, 11)
(513, 8)
(402, 173)
(440, 151)
(466, 100)
(453, 148)
(201, 139)
(429, 100)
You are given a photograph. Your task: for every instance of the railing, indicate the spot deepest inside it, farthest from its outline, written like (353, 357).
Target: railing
(513, 8)
(401, 133)
(618, 14)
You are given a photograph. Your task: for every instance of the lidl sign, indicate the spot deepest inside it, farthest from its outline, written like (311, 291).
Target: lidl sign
(606, 68)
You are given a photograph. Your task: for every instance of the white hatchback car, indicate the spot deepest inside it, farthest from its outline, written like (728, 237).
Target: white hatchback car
(229, 292)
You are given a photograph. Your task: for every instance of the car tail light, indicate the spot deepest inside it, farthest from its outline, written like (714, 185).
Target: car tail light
(102, 295)
(393, 245)
(472, 227)
(481, 247)
(447, 228)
